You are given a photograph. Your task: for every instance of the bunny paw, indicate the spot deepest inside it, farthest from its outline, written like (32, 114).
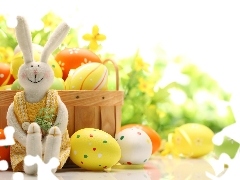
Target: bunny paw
(54, 131)
(33, 146)
(53, 144)
(34, 128)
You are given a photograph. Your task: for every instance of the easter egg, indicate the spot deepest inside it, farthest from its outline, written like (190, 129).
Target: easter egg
(91, 76)
(154, 136)
(4, 150)
(4, 73)
(16, 85)
(58, 84)
(11, 80)
(72, 58)
(135, 144)
(192, 140)
(94, 149)
(229, 146)
(17, 61)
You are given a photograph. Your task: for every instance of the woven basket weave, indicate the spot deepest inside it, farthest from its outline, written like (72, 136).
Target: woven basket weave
(86, 108)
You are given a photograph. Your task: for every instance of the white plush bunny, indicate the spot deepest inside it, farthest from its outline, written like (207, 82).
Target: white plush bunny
(36, 79)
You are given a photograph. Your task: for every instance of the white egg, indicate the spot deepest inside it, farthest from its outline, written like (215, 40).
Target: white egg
(135, 144)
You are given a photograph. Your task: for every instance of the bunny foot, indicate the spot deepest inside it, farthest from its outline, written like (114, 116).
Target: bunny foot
(53, 144)
(33, 146)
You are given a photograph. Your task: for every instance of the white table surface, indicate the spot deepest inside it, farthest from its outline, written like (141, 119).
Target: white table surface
(157, 168)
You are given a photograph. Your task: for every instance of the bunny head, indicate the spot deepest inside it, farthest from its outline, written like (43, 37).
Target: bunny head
(37, 76)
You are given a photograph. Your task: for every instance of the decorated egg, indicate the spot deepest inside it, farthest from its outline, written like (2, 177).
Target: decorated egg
(4, 150)
(91, 76)
(4, 73)
(135, 144)
(94, 149)
(190, 140)
(17, 61)
(11, 80)
(72, 58)
(154, 136)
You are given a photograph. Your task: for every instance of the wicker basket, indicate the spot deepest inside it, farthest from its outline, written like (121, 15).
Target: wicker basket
(86, 108)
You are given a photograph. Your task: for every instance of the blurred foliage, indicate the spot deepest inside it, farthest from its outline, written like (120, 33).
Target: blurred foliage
(157, 105)
(163, 94)
(50, 22)
(7, 37)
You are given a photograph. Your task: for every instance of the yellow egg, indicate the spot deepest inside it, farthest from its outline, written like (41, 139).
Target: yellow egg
(17, 61)
(69, 78)
(190, 140)
(94, 149)
(90, 76)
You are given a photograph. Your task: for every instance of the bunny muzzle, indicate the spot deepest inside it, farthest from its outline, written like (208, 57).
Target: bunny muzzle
(36, 73)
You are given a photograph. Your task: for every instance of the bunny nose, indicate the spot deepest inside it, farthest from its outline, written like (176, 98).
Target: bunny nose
(35, 71)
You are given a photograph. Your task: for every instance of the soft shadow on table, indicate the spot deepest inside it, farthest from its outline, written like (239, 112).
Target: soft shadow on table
(157, 168)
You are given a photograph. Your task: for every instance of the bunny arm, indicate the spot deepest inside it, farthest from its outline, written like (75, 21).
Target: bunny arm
(62, 116)
(19, 134)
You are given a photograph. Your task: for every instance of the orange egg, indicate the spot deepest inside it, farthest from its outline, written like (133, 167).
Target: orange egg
(154, 136)
(72, 58)
(11, 80)
(4, 73)
(4, 150)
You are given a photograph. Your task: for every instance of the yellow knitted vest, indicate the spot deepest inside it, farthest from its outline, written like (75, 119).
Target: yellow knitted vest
(26, 112)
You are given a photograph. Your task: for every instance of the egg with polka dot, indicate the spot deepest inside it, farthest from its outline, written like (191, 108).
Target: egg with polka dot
(94, 149)
(135, 144)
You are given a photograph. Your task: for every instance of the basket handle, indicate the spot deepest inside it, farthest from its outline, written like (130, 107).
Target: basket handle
(116, 70)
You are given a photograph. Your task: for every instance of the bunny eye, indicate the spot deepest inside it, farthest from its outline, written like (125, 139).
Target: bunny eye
(38, 65)
(31, 65)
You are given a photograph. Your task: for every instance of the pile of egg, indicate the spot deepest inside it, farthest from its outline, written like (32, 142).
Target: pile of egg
(94, 149)
(74, 69)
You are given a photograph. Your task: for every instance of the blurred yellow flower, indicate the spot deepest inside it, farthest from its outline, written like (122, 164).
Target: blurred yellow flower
(146, 86)
(50, 21)
(2, 18)
(94, 38)
(139, 64)
(6, 54)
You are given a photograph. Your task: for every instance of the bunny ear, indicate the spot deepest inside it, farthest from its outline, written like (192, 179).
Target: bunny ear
(54, 41)
(24, 39)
